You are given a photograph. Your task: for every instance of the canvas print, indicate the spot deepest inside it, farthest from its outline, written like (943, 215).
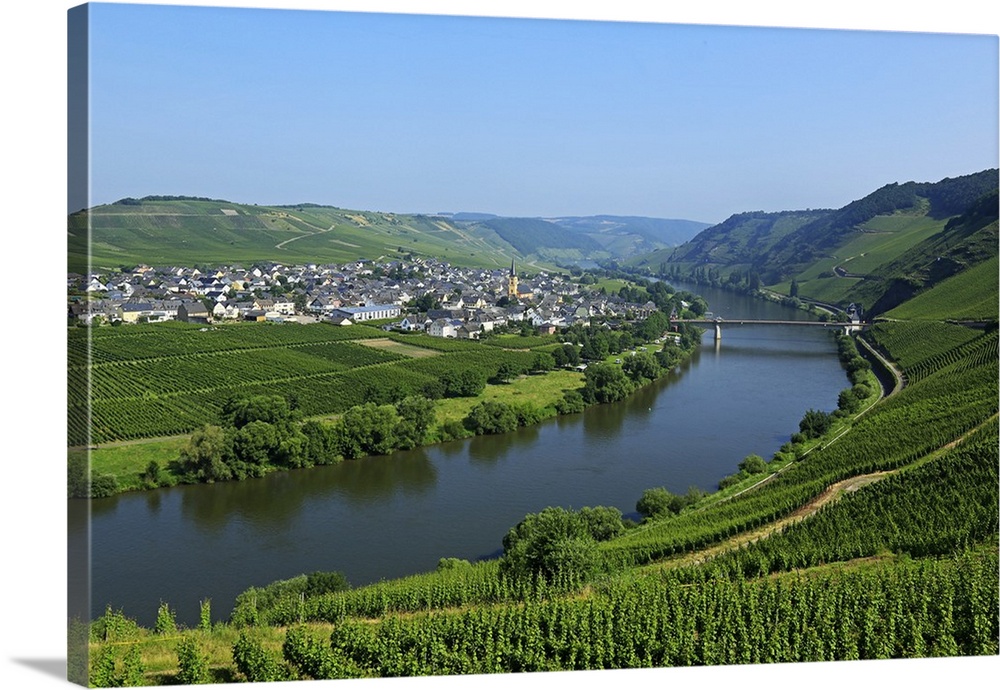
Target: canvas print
(415, 345)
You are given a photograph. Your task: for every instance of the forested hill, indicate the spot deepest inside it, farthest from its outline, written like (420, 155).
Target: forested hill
(877, 250)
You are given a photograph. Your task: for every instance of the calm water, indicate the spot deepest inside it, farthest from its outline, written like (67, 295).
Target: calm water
(390, 516)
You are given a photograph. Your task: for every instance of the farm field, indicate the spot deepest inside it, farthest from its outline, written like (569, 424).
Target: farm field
(901, 564)
(167, 379)
(971, 295)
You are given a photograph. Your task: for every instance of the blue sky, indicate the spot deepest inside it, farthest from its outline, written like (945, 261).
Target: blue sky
(531, 117)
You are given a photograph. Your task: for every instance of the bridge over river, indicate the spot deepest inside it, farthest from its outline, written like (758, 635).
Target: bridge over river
(717, 323)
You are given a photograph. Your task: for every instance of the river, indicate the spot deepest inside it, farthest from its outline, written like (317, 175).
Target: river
(390, 516)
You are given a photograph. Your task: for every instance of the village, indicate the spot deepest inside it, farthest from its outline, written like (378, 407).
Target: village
(424, 295)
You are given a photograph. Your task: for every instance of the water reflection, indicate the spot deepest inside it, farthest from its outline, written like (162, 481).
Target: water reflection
(365, 480)
(489, 450)
(154, 501)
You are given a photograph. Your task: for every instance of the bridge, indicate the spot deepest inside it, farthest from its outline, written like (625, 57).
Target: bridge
(718, 323)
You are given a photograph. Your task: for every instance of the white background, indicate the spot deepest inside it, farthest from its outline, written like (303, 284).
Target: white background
(32, 247)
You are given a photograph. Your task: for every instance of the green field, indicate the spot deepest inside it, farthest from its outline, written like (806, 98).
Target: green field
(168, 379)
(900, 562)
(879, 241)
(972, 295)
(196, 232)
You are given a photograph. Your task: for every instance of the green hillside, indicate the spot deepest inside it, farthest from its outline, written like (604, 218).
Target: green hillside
(877, 251)
(972, 295)
(626, 236)
(172, 230)
(965, 241)
(158, 230)
(539, 237)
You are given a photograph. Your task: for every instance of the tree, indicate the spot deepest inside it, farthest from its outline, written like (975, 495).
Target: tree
(571, 403)
(204, 456)
(753, 464)
(653, 327)
(321, 443)
(552, 544)
(273, 409)
(602, 522)
(848, 400)
(491, 417)
(657, 502)
(572, 355)
(543, 362)
(815, 423)
(368, 429)
(254, 445)
(416, 414)
(325, 582)
(505, 372)
(606, 383)
(641, 367)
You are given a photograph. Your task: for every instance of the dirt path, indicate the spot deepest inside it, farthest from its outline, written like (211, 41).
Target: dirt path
(319, 231)
(831, 493)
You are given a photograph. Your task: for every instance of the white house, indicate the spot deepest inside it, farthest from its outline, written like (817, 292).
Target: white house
(443, 328)
(369, 313)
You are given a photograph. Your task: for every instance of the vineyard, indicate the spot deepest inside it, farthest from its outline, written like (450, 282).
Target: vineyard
(167, 379)
(904, 565)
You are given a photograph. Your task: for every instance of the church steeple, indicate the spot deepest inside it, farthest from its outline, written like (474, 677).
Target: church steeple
(512, 281)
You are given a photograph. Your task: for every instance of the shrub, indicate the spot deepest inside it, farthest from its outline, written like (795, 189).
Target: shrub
(325, 582)
(191, 663)
(753, 464)
(103, 485)
(113, 626)
(602, 522)
(491, 417)
(165, 620)
(256, 665)
(657, 502)
(452, 564)
(815, 423)
(571, 403)
(205, 615)
(554, 544)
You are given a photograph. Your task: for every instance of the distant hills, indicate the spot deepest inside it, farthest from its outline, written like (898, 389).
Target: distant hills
(197, 230)
(879, 251)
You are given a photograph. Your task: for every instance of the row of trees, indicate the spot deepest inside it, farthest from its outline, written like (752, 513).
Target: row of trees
(262, 432)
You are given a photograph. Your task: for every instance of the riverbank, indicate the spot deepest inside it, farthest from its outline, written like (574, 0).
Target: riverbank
(144, 466)
(751, 550)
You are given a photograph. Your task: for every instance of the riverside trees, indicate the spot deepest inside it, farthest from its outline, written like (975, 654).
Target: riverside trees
(262, 433)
